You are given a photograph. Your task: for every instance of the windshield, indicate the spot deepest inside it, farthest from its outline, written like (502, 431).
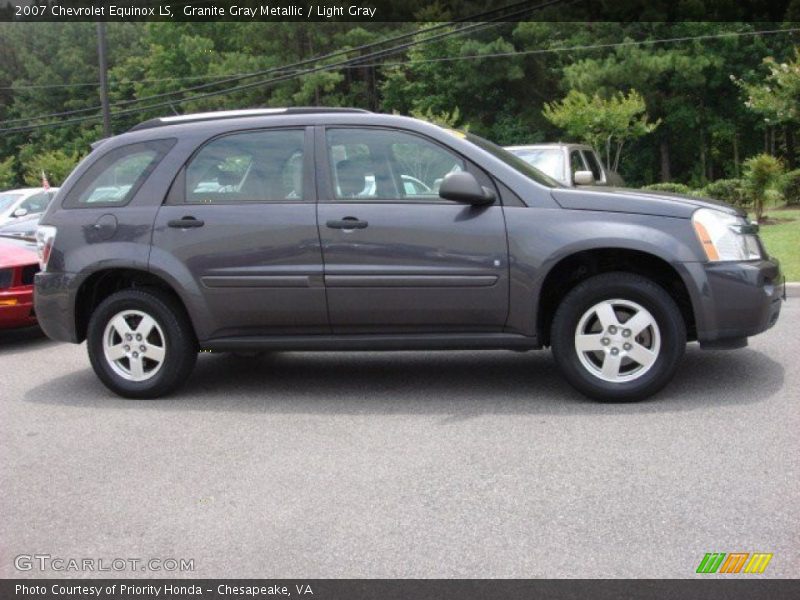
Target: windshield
(7, 200)
(515, 162)
(550, 160)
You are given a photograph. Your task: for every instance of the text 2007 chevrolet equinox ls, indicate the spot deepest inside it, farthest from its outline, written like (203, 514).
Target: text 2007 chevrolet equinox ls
(317, 229)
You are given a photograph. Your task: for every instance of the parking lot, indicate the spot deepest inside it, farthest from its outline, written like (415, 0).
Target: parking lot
(451, 464)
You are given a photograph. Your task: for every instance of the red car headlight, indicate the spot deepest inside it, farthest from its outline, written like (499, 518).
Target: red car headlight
(6, 277)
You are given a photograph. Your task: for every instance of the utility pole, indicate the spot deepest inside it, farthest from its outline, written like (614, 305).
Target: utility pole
(103, 64)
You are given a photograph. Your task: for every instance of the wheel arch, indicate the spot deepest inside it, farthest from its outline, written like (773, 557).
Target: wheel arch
(568, 271)
(100, 284)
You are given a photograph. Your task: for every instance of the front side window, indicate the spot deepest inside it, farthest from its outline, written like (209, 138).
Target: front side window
(254, 166)
(114, 179)
(575, 162)
(388, 165)
(594, 165)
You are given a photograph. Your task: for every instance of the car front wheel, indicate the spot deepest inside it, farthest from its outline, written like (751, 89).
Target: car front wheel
(140, 343)
(618, 337)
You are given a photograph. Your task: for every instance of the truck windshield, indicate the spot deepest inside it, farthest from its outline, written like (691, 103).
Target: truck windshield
(7, 200)
(514, 162)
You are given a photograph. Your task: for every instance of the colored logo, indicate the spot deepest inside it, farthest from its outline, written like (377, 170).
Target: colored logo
(735, 562)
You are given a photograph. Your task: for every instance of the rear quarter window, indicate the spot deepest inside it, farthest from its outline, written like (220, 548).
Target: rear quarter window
(114, 178)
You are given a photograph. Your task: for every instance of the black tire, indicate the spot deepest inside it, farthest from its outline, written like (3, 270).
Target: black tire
(181, 346)
(632, 288)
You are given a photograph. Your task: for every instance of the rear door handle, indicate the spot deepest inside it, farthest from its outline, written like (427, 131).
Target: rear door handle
(347, 223)
(185, 223)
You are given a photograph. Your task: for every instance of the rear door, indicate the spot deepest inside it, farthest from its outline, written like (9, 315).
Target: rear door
(397, 257)
(240, 221)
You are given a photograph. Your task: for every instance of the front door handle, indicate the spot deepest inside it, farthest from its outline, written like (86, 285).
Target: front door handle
(347, 223)
(186, 222)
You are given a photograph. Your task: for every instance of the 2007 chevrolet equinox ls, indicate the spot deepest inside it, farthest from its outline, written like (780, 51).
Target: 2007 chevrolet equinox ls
(340, 229)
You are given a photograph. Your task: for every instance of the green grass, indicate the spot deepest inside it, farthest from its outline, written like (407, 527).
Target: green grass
(783, 240)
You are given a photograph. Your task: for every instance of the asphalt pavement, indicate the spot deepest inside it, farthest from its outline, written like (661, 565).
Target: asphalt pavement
(412, 464)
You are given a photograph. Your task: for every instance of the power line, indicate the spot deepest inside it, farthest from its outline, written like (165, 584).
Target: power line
(272, 70)
(439, 59)
(171, 103)
(286, 69)
(121, 82)
(588, 47)
(323, 68)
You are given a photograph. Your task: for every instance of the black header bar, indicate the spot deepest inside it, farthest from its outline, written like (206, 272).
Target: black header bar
(394, 10)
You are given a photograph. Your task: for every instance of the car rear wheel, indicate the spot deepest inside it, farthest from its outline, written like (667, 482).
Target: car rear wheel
(140, 343)
(618, 337)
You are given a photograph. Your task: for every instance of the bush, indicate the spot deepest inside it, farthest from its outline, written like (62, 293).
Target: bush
(732, 191)
(7, 175)
(790, 188)
(674, 188)
(55, 164)
(761, 172)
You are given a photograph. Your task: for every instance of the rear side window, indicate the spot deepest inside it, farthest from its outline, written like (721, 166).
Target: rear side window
(116, 177)
(255, 166)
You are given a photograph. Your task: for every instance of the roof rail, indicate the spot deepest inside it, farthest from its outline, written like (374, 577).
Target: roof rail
(234, 114)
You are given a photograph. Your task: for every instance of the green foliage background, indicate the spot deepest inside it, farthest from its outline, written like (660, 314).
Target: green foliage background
(695, 90)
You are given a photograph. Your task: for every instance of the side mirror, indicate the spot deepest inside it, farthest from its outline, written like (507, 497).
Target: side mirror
(463, 187)
(20, 212)
(583, 178)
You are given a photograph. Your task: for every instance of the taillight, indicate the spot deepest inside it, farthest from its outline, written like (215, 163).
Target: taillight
(45, 236)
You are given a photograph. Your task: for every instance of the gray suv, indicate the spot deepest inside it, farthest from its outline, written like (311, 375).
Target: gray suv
(297, 229)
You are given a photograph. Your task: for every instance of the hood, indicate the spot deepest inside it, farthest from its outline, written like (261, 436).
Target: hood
(643, 202)
(16, 253)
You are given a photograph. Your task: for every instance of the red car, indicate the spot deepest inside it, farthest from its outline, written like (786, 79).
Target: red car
(18, 264)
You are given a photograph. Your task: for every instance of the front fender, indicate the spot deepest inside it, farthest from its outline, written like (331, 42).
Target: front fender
(539, 239)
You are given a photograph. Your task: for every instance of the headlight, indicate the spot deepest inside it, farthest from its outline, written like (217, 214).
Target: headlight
(6, 275)
(726, 237)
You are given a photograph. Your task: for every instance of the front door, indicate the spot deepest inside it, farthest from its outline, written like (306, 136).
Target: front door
(398, 258)
(241, 223)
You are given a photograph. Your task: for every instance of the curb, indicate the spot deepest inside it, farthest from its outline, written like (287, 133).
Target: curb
(793, 290)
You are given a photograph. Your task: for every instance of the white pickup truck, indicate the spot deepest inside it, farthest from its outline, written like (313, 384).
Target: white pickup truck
(571, 164)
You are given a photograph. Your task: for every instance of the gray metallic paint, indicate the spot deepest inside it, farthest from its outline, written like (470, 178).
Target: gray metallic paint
(409, 271)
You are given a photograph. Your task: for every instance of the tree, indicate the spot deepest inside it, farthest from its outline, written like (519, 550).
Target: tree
(56, 165)
(8, 176)
(760, 172)
(777, 97)
(601, 122)
(686, 85)
(483, 89)
(450, 120)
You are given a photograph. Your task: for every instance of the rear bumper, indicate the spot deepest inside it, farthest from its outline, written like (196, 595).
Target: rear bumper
(54, 297)
(736, 299)
(16, 307)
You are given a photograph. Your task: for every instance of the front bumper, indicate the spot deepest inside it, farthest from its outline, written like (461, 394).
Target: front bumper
(53, 299)
(16, 307)
(736, 299)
